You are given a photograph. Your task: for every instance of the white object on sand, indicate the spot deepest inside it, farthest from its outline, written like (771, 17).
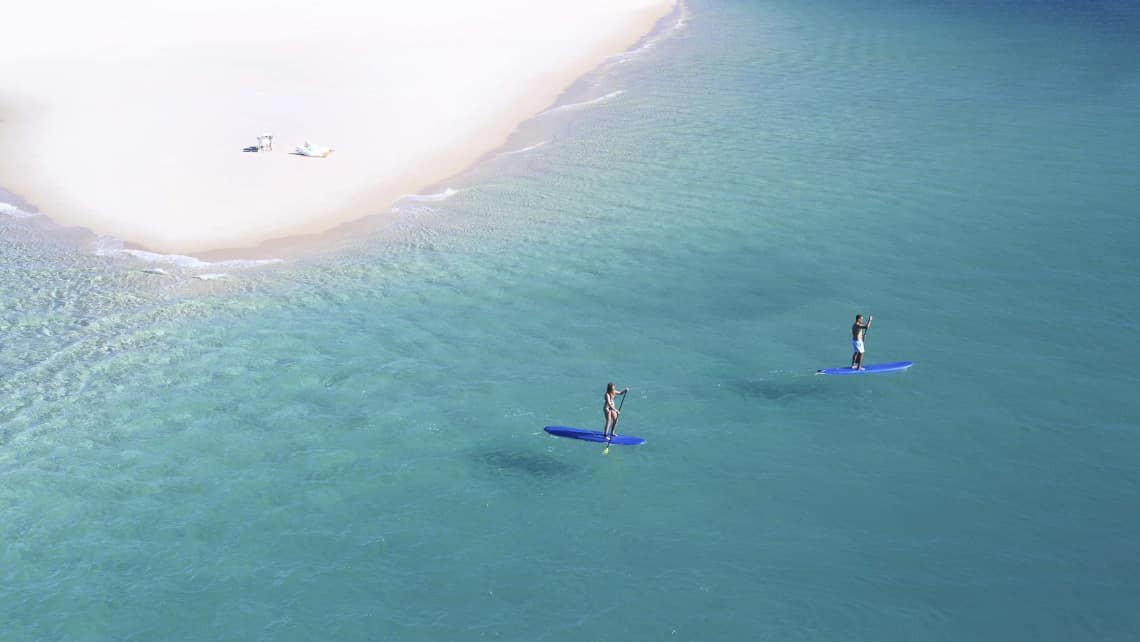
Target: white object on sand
(315, 151)
(265, 143)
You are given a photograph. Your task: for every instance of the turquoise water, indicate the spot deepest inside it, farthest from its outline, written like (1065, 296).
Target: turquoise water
(349, 446)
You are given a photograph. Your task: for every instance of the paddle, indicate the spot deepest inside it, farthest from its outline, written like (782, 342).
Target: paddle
(606, 450)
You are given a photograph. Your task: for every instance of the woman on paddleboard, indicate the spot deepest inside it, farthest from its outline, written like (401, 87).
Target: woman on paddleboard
(611, 410)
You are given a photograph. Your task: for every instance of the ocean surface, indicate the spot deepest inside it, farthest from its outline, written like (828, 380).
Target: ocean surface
(348, 445)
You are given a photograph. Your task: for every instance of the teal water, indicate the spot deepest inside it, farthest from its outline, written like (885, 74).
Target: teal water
(349, 446)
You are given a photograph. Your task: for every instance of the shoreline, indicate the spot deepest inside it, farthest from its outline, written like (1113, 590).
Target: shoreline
(280, 222)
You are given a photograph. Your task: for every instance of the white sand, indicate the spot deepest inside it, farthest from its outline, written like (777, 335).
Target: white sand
(129, 116)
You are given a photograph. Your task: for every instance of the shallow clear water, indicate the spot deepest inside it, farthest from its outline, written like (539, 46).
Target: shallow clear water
(350, 446)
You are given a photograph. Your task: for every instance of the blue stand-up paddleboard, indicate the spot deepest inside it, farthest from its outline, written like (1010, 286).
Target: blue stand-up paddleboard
(594, 435)
(877, 368)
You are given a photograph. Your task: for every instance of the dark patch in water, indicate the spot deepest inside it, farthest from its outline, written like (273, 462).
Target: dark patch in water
(517, 462)
(779, 389)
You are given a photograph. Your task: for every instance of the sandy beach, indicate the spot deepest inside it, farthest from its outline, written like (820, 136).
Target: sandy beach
(131, 119)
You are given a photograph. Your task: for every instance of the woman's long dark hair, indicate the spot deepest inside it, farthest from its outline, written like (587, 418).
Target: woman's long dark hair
(610, 388)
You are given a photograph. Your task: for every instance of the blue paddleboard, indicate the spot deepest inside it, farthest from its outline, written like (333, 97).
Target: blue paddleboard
(877, 368)
(593, 435)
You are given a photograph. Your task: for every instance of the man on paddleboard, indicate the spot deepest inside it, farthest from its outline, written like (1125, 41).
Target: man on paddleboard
(858, 330)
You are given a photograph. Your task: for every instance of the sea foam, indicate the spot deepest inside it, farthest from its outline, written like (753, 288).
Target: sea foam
(682, 19)
(7, 209)
(110, 246)
(430, 198)
(587, 103)
(524, 149)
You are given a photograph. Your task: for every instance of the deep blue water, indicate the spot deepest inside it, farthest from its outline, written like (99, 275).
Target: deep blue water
(349, 445)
